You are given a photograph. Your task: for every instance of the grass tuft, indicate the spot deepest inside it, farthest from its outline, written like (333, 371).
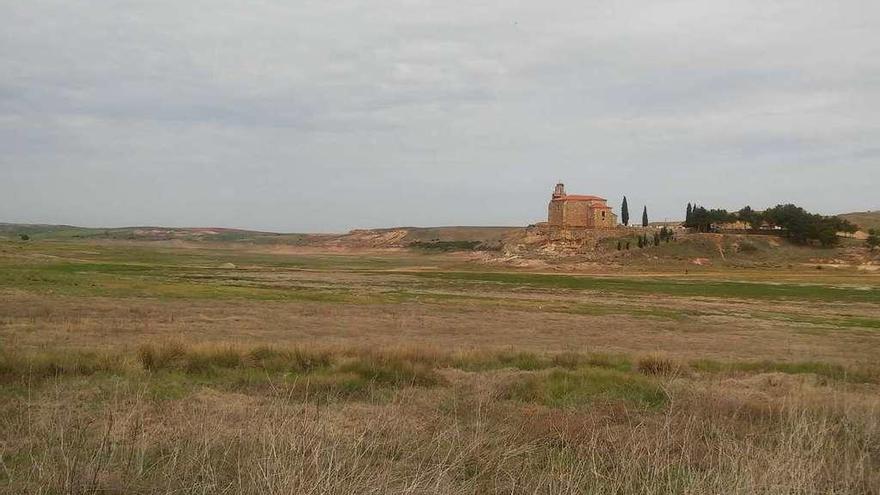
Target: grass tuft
(49, 364)
(392, 370)
(290, 360)
(824, 370)
(657, 365)
(155, 357)
(563, 388)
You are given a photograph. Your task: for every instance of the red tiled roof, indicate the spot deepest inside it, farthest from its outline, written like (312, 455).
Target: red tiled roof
(578, 197)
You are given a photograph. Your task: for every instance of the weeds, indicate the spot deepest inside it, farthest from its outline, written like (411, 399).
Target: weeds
(825, 370)
(205, 359)
(49, 364)
(657, 365)
(561, 388)
(209, 419)
(392, 371)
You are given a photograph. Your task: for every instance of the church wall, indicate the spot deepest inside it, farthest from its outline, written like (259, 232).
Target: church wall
(606, 221)
(580, 214)
(556, 215)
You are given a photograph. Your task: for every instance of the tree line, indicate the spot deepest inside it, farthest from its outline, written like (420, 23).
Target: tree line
(798, 224)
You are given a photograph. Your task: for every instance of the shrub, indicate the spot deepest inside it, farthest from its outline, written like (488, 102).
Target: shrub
(153, 357)
(58, 363)
(200, 360)
(296, 360)
(207, 360)
(392, 371)
(563, 388)
(447, 246)
(656, 365)
(569, 360)
(610, 361)
(873, 240)
(747, 247)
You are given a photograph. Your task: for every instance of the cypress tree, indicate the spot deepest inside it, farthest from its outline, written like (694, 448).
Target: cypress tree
(624, 212)
(688, 215)
(645, 217)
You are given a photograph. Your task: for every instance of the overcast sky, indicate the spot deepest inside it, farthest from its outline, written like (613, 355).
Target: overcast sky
(336, 114)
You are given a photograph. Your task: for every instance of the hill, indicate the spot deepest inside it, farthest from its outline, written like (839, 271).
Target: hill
(391, 237)
(864, 219)
(147, 233)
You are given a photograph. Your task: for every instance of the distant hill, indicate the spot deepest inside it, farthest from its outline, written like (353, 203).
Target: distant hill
(865, 219)
(61, 232)
(392, 237)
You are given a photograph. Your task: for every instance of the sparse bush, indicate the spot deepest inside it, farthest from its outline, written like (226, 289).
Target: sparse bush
(176, 356)
(50, 364)
(569, 360)
(657, 365)
(825, 370)
(873, 240)
(527, 361)
(296, 360)
(747, 247)
(610, 361)
(156, 357)
(207, 360)
(563, 388)
(392, 371)
(24, 237)
(447, 246)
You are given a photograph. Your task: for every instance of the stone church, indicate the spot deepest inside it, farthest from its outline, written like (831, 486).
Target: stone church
(574, 211)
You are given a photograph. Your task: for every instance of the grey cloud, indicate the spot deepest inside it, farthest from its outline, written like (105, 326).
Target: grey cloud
(332, 115)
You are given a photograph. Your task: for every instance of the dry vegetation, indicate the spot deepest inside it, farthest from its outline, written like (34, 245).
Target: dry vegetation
(129, 368)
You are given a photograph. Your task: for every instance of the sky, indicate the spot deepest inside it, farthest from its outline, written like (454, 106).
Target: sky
(323, 116)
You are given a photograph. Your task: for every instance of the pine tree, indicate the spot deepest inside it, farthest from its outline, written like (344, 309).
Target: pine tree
(624, 212)
(645, 217)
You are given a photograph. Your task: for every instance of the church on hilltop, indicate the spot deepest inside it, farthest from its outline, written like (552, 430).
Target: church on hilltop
(574, 211)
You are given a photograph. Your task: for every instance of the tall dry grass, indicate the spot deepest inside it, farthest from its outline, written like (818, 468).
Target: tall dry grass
(495, 430)
(275, 446)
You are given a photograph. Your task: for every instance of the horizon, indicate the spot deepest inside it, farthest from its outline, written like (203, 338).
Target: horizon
(246, 229)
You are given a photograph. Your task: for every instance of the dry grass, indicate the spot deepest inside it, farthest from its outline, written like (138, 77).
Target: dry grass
(581, 429)
(194, 419)
(149, 371)
(659, 365)
(37, 321)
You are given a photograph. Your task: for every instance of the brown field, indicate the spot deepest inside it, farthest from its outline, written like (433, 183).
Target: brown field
(162, 367)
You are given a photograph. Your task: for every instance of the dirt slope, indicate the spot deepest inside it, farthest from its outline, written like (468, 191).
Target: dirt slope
(864, 219)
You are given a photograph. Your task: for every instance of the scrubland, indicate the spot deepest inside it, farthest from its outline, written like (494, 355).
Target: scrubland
(158, 368)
